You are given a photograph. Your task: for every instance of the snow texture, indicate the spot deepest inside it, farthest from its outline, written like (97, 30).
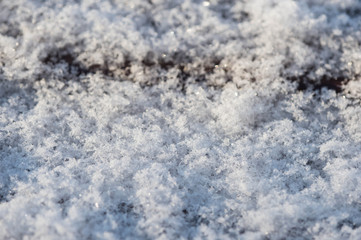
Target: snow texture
(181, 119)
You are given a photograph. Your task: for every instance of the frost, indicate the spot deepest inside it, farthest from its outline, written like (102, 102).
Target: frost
(180, 119)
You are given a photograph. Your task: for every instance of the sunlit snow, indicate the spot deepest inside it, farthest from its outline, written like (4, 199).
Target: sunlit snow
(180, 119)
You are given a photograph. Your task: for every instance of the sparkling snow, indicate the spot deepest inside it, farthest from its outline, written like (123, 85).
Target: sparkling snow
(182, 119)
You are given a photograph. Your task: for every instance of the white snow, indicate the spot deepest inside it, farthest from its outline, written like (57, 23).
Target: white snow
(182, 119)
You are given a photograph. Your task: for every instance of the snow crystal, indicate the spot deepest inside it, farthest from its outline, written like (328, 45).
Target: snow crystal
(182, 119)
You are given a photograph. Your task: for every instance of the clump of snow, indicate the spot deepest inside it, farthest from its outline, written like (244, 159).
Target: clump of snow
(180, 119)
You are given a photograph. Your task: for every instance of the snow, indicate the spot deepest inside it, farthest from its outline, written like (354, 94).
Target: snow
(181, 119)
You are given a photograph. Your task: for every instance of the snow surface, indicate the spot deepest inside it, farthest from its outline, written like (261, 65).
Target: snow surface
(182, 119)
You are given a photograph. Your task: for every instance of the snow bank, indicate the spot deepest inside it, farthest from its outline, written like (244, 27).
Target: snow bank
(180, 119)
